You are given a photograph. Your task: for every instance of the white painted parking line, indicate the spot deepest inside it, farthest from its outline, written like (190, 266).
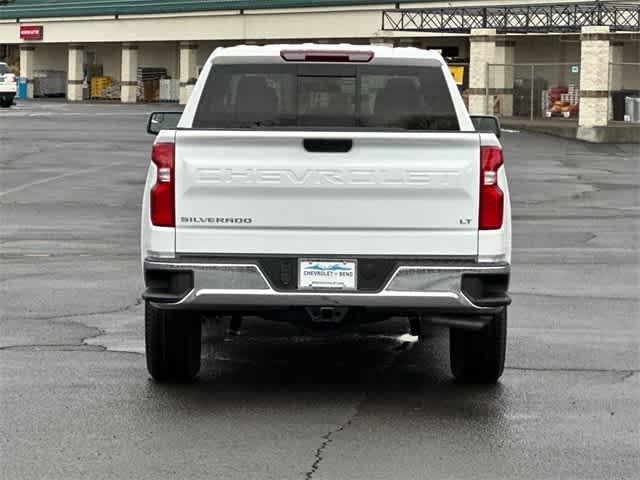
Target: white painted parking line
(57, 177)
(57, 114)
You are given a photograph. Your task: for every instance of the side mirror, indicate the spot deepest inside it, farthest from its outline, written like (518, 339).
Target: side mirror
(486, 123)
(163, 121)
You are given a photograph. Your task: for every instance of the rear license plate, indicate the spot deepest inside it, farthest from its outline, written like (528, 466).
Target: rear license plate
(327, 274)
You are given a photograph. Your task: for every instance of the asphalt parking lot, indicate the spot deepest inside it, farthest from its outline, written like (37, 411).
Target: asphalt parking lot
(76, 401)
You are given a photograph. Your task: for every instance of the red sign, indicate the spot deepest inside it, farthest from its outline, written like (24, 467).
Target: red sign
(31, 32)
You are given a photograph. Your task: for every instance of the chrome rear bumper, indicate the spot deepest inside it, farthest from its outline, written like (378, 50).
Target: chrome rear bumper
(218, 286)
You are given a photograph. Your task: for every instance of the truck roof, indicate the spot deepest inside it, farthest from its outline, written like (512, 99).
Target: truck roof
(274, 51)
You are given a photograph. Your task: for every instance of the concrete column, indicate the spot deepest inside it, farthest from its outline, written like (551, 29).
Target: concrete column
(188, 69)
(594, 80)
(503, 75)
(27, 58)
(75, 73)
(129, 73)
(482, 47)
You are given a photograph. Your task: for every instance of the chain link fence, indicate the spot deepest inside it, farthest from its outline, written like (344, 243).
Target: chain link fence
(552, 90)
(624, 92)
(540, 90)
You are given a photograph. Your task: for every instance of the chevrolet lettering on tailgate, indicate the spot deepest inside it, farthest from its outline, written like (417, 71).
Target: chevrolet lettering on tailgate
(322, 177)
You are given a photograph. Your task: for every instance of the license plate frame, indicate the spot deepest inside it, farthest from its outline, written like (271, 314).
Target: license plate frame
(328, 275)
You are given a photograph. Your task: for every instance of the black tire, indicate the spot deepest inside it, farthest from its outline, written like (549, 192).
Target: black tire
(6, 102)
(478, 356)
(173, 344)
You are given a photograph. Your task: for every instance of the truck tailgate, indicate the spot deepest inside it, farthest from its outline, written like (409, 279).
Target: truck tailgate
(265, 192)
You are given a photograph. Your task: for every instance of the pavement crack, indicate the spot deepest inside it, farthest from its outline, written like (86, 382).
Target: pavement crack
(328, 438)
(100, 331)
(76, 318)
(628, 375)
(53, 346)
(89, 314)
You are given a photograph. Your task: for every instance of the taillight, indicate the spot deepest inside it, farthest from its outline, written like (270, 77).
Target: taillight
(327, 56)
(163, 192)
(491, 197)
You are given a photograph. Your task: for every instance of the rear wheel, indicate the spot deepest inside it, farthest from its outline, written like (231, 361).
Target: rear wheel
(173, 344)
(478, 356)
(6, 102)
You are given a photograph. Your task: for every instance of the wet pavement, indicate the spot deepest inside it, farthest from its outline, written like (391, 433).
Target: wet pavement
(280, 402)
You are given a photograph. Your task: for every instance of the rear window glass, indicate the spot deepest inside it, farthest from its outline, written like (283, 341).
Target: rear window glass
(326, 96)
(4, 69)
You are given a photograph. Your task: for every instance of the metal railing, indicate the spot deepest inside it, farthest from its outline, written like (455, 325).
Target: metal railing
(533, 90)
(568, 17)
(624, 92)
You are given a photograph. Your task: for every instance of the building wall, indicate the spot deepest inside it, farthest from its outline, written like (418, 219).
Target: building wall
(547, 49)
(160, 54)
(205, 49)
(51, 57)
(9, 54)
(631, 73)
(107, 55)
(553, 56)
(564, 49)
(205, 27)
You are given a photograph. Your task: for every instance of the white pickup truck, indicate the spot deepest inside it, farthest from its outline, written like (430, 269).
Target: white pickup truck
(8, 86)
(326, 185)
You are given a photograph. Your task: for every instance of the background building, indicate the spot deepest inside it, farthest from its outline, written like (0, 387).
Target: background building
(575, 62)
